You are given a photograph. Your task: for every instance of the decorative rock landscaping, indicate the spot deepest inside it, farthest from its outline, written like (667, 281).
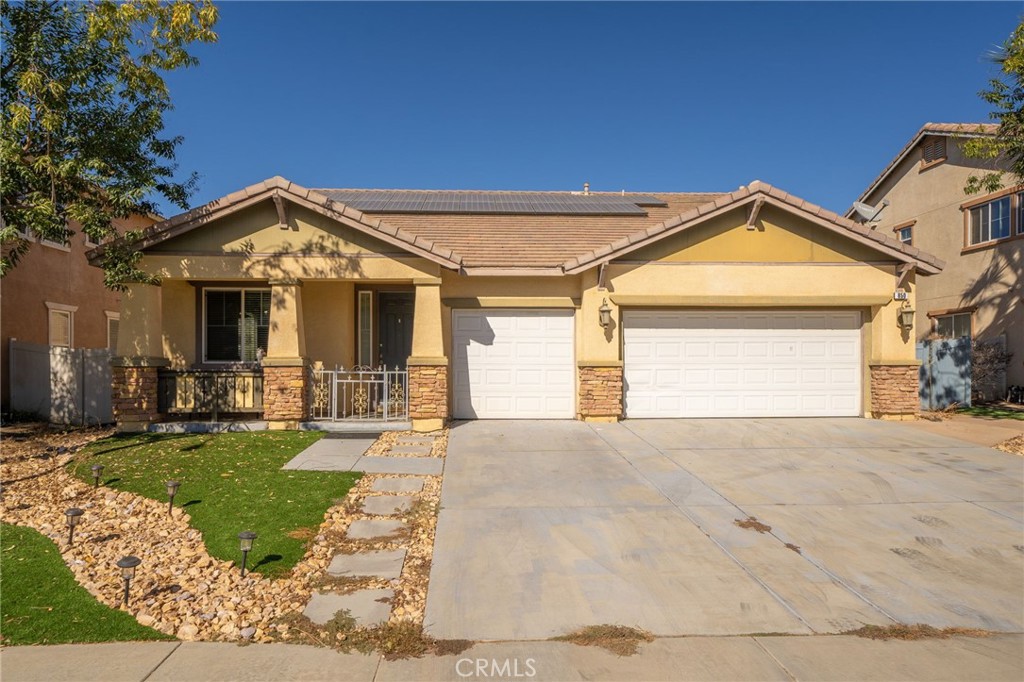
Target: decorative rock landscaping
(369, 560)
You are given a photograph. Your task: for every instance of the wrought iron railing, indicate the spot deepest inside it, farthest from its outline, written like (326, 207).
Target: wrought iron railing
(359, 393)
(209, 392)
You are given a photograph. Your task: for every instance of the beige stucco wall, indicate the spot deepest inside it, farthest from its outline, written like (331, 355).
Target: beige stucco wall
(991, 278)
(329, 318)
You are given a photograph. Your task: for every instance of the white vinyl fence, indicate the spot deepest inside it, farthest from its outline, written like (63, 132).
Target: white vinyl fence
(62, 385)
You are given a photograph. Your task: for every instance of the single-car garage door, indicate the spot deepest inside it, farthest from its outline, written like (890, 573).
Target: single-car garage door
(513, 364)
(745, 363)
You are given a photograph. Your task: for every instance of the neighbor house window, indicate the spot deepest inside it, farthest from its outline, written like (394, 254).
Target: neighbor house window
(990, 221)
(61, 321)
(113, 323)
(933, 151)
(1020, 213)
(906, 234)
(237, 323)
(953, 325)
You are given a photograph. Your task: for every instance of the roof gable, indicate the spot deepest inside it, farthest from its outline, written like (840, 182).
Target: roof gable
(929, 129)
(280, 190)
(758, 193)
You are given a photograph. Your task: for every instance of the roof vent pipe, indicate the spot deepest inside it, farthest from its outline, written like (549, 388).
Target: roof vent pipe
(586, 188)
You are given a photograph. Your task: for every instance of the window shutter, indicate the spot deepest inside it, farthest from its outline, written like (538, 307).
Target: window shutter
(934, 150)
(112, 328)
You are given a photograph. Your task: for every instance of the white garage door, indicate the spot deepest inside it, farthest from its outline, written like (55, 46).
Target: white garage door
(742, 363)
(513, 364)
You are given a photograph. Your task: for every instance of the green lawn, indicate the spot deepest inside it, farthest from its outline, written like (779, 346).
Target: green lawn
(992, 412)
(42, 603)
(230, 482)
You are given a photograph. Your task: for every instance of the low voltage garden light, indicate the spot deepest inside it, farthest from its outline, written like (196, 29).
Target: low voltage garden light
(97, 471)
(172, 490)
(74, 515)
(246, 538)
(127, 565)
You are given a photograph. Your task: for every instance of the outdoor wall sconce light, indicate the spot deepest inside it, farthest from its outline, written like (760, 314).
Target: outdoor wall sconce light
(127, 565)
(172, 489)
(74, 515)
(605, 312)
(246, 538)
(97, 471)
(906, 316)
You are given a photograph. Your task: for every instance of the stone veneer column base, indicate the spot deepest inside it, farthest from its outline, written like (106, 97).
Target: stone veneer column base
(894, 391)
(285, 395)
(428, 394)
(134, 397)
(600, 392)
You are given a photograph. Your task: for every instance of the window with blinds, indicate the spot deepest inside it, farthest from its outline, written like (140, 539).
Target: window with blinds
(60, 328)
(933, 150)
(990, 221)
(113, 323)
(237, 323)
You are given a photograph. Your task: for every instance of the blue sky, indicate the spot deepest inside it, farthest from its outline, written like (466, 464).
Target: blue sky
(815, 98)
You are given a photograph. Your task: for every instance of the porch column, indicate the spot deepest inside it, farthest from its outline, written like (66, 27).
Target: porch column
(139, 356)
(600, 365)
(285, 380)
(428, 365)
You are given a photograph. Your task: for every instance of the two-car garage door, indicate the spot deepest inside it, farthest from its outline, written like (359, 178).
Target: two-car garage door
(520, 364)
(744, 363)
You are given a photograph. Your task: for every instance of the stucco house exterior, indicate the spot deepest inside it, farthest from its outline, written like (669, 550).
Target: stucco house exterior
(594, 306)
(53, 297)
(980, 292)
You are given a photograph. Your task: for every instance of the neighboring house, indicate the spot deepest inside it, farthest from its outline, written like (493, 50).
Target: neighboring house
(53, 297)
(515, 305)
(980, 292)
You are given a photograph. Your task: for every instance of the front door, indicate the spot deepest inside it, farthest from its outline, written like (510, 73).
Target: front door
(395, 330)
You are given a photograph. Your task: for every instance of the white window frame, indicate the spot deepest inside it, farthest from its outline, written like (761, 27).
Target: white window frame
(239, 289)
(364, 356)
(985, 212)
(60, 309)
(909, 230)
(112, 316)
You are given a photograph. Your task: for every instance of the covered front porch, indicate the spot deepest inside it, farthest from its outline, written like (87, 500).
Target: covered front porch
(285, 310)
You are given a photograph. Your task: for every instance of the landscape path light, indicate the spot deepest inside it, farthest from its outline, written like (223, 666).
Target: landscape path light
(127, 565)
(74, 515)
(172, 490)
(246, 538)
(97, 471)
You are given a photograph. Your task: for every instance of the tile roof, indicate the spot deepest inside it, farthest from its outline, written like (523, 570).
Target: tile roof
(947, 129)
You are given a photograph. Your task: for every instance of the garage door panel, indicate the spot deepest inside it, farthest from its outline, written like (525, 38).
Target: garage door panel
(514, 364)
(742, 363)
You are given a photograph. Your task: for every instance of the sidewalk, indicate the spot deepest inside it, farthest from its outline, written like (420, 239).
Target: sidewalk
(979, 430)
(838, 657)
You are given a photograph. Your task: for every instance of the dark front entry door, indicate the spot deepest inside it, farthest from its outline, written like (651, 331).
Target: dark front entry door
(395, 332)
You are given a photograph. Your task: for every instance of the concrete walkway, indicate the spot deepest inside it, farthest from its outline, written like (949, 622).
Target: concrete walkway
(337, 452)
(978, 430)
(994, 658)
(547, 527)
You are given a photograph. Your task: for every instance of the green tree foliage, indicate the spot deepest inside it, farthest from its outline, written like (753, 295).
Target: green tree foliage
(82, 99)
(1005, 93)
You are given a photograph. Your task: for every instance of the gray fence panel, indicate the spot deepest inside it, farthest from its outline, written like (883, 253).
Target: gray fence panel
(945, 374)
(29, 372)
(63, 385)
(98, 379)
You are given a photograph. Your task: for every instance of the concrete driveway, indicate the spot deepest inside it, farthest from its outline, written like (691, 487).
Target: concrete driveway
(549, 526)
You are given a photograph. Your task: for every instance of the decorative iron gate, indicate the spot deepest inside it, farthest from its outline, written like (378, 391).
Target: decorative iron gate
(360, 393)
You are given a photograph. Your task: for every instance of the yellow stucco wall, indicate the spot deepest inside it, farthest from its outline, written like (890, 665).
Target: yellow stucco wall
(329, 316)
(179, 328)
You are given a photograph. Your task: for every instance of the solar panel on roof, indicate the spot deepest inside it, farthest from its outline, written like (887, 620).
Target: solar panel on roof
(537, 203)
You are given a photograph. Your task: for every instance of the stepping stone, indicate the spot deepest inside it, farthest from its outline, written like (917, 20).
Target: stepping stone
(410, 450)
(364, 606)
(400, 465)
(385, 505)
(397, 485)
(366, 529)
(385, 564)
(416, 440)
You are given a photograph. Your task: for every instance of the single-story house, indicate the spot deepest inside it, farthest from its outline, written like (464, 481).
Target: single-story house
(301, 304)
